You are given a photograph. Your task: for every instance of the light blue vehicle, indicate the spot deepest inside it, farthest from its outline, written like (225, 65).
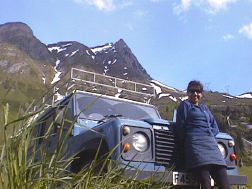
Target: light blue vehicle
(141, 142)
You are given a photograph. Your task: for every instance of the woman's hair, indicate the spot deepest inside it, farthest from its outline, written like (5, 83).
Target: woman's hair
(195, 83)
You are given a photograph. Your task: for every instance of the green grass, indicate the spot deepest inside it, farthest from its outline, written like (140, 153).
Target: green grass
(247, 171)
(18, 170)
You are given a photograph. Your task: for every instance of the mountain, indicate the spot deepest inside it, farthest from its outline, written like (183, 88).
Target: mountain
(21, 35)
(29, 68)
(22, 54)
(25, 59)
(114, 59)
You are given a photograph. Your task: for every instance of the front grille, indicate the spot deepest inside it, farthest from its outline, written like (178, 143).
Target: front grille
(164, 146)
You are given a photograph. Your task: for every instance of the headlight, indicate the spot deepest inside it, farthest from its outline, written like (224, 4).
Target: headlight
(231, 143)
(222, 150)
(140, 142)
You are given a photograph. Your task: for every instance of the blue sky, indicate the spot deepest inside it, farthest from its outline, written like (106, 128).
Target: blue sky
(174, 40)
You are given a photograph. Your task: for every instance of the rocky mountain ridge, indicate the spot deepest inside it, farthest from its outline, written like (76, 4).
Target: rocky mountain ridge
(114, 59)
(29, 69)
(21, 35)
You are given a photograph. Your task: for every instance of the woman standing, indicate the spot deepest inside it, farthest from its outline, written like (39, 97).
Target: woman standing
(195, 133)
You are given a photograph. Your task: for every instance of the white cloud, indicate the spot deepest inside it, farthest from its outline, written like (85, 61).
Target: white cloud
(155, 1)
(182, 7)
(246, 30)
(104, 5)
(217, 5)
(228, 37)
(209, 6)
(107, 5)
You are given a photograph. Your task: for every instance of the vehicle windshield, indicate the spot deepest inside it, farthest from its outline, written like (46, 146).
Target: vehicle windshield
(96, 107)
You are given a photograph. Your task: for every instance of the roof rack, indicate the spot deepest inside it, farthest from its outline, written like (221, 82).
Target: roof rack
(112, 82)
(83, 80)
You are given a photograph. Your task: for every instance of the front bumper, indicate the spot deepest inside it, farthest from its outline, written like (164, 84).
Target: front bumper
(237, 179)
(167, 177)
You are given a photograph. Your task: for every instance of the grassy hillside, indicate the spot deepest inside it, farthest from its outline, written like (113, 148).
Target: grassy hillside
(247, 171)
(20, 80)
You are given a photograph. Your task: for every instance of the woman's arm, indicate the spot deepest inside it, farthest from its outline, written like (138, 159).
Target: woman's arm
(179, 133)
(179, 129)
(213, 124)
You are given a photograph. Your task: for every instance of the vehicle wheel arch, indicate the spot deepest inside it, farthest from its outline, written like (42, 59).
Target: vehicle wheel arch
(97, 147)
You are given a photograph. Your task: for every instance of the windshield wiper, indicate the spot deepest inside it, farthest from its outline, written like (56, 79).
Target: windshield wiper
(107, 117)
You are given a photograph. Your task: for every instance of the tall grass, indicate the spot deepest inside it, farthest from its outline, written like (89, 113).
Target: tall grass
(247, 170)
(26, 165)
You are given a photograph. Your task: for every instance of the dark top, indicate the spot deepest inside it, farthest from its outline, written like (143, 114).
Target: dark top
(195, 133)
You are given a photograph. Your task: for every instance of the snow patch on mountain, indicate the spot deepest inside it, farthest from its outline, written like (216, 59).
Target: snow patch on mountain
(163, 95)
(58, 49)
(105, 70)
(182, 98)
(158, 91)
(114, 61)
(66, 45)
(157, 88)
(227, 96)
(57, 63)
(88, 53)
(56, 77)
(58, 96)
(57, 73)
(173, 98)
(44, 80)
(163, 85)
(73, 53)
(95, 50)
(117, 95)
(245, 95)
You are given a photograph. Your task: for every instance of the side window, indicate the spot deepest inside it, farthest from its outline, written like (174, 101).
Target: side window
(63, 119)
(45, 125)
(59, 119)
(52, 120)
(41, 131)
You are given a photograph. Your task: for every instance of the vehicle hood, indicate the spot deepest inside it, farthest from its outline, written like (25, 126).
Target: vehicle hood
(157, 121)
